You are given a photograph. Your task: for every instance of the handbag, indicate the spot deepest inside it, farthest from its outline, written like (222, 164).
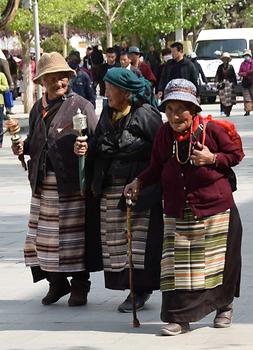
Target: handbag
(246, 82)
(8, 99)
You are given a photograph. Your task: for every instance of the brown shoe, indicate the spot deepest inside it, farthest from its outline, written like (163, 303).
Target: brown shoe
(78, 294)
(223, 318)
(175, 328)
(56, 291)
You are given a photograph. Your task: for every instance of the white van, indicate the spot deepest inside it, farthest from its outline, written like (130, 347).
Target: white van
(212, 43)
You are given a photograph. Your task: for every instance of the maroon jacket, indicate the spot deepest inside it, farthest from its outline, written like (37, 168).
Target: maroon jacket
(205, 189)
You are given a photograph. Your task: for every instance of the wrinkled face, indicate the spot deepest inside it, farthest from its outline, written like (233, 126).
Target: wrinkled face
(124, 61)
(225, 60)
(117, 98)
(56, 84)
(134, 57)
(180, 115)
(176, 55)
(111, 58)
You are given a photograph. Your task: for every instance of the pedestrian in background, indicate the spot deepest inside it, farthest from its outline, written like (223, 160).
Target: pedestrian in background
(226, 82)
(121, 148)
(3, 87)
(166, 56)
(201, 261)
(81, 83)
(110, 63)
(153, 59)
(55, 244)
(246, 73)
(178, 67)
(135, 57)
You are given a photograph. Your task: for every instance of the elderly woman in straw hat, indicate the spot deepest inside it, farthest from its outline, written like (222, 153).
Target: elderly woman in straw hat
(55, 243)
(226, 81)
(121, 149)
(246, 73)
(201, 260)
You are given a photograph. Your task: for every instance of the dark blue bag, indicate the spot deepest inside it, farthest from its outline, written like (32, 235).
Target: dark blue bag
(8, 99)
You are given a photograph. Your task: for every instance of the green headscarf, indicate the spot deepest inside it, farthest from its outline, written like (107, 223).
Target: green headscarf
(140, 88)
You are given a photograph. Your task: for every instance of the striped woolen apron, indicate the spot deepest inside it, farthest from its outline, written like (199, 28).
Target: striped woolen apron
(194, 252)
(55, 238)
(114, 231)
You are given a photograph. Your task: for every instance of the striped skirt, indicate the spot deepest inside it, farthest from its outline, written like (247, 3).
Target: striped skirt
(114, 231)
(194, 252)
(55, 239)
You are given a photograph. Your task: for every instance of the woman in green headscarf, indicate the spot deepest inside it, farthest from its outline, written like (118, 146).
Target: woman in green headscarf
(121, 150)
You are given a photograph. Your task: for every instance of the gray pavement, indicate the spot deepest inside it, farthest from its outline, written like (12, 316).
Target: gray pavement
(25, 324)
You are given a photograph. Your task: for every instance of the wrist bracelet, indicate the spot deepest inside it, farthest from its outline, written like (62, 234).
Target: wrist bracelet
(214, 158)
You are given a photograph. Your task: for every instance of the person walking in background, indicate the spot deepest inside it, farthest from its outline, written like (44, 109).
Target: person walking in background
(125, 62)
(246, 73)
(5, 68)
(201, 260)
(110, 63)
(13, 70)
(226, 82)
(97, 60)
(166, 56)
(81, 82)
(178, 67)
(55, 246)
(3, 87)
(121, 148)
(200, 74)
(135, 57)
(153, 59)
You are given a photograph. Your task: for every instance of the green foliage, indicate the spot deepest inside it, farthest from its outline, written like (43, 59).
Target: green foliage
(53, 43)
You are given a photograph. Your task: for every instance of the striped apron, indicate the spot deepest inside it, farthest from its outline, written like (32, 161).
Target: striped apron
(194, 252)
(55, 239)
(114, 231)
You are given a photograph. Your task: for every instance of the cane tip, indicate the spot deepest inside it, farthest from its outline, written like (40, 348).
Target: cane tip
(136, 323)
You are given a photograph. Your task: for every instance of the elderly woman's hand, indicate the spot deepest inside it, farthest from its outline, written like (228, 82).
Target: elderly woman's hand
(81, 146)
(18, 148)
(202, 156)
(133, 189)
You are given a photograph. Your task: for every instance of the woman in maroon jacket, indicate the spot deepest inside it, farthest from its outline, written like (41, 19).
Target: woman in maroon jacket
(201, 262)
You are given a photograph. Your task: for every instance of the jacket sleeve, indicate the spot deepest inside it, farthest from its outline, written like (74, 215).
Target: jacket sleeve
(32, 122)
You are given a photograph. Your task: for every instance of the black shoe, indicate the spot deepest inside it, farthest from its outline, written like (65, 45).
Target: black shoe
(78, 294)
(246, 114)
(56, 291)
(140, 300)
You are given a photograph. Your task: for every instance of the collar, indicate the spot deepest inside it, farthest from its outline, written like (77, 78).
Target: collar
(119, 115)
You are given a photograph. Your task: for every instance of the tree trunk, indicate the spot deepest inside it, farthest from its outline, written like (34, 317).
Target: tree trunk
(109, 33)
(27, 77)
(135, 40)
(65, 39)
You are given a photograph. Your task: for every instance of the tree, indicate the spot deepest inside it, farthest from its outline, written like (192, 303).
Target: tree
(54, 13)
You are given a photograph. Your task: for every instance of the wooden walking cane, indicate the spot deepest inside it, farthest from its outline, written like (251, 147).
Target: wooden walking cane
(130, 204)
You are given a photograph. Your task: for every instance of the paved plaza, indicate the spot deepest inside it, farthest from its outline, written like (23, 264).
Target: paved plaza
(25, 324)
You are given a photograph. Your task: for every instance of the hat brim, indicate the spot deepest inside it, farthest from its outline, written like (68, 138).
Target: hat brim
(136, 53)
(37, 79)
(176, 96)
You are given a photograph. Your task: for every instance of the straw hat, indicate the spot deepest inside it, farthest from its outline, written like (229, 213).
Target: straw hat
(226, 55)
(247, 53)
(52, 62)
(180, 90)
